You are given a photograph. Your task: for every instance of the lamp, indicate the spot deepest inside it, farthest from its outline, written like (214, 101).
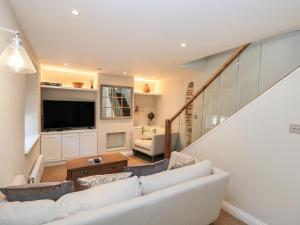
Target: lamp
(14, 57)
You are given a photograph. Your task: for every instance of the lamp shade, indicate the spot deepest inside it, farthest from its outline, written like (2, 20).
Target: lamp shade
(15, 59)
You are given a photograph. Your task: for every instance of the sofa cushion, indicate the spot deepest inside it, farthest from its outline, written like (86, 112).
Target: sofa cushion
(29, 213)
(100, 196)
(31, 192)
(169, 178)
(145, 144)
(178, 158)
(149, 169)
(93, 181)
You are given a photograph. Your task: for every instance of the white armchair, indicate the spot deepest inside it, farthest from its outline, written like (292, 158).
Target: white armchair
(152, 147)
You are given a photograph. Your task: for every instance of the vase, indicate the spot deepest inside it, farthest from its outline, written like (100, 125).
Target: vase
(146, 88)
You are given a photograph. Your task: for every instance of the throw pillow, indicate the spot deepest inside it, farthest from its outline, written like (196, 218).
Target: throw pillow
(100, 196)
(93, 181)
(170, 178)
(31, 192)
(145, 170)
(148, 132)
(177, 165)
(178, 158)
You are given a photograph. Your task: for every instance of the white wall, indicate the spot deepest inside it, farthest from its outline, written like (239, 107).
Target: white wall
(172, 97)
(12, 98)
(111, 126)
(256, 148)
(146, 104)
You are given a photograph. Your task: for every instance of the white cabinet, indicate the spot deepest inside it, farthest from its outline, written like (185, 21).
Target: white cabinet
(51, 147)
(88, 143)
(70, 145)
(58, 146)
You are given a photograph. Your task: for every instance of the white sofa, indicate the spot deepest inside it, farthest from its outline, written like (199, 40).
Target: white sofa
(152, 147)
(190, 195)
(197, 202)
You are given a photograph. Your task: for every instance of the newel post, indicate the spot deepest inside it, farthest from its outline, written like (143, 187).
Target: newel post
(167, 139)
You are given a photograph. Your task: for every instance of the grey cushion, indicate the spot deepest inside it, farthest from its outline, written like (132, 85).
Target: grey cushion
(149, 169)
(31, 192)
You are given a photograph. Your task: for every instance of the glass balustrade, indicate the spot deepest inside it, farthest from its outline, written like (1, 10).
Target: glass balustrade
(258, 68)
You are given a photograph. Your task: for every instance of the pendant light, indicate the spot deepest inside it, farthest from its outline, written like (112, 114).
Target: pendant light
(14, 57)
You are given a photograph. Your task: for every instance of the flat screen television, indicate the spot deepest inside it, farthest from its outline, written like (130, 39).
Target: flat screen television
(63, 115)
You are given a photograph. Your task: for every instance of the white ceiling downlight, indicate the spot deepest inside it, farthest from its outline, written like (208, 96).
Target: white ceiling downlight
(183, 45)
(75, 12)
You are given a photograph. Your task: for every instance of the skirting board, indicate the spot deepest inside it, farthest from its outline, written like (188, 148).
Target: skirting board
(127, 153)
(241, 215)
(58, 163)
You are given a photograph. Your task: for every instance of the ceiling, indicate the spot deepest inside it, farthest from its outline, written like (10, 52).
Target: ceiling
(143, 37)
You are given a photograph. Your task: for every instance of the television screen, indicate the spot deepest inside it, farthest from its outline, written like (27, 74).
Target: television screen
(68, 114)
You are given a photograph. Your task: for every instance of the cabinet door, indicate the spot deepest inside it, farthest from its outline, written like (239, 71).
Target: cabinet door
(70, 145)
(88, 143)
(51, 147)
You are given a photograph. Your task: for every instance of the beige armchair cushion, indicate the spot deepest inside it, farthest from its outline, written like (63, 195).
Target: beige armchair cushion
(145, 144)
(148, 132)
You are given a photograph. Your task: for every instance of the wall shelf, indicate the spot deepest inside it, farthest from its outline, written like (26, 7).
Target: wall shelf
(150, 94)
(68, 88)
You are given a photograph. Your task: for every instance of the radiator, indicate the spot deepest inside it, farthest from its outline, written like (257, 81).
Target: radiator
(37, 171)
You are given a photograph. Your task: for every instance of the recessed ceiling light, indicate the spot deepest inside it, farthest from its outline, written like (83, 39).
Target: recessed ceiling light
(183, 45)
(66, 64)
(124, 73)
(75, 12)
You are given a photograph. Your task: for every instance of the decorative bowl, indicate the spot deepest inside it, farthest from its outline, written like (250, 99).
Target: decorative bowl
(77, 84)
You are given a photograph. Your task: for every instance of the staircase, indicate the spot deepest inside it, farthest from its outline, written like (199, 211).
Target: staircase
(247, 73)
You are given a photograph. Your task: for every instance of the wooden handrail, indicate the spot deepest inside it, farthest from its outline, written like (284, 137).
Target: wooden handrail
(213, 77)
(168, 123)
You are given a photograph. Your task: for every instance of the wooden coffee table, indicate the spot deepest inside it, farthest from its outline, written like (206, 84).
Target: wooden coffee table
(80, 167)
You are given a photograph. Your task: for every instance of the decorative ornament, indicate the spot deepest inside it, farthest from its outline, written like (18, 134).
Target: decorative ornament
(146, 88)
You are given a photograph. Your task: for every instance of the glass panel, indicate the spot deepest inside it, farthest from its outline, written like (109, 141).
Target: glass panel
(117, 111)
(176, 134)
(107, 112)
(117, 101)
(210, 110)
(126, 111)
(197, 117)
(227, 93)
(280, 56)
(105, 91)
(215, 61)
(248, 75)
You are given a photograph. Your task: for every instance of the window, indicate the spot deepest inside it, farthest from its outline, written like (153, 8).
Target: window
(32, 105)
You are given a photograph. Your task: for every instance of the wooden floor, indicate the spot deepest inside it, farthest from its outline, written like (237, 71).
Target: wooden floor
(226, 219)
(59, 173)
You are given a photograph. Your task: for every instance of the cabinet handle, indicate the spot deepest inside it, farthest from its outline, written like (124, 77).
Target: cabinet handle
(85, 172)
